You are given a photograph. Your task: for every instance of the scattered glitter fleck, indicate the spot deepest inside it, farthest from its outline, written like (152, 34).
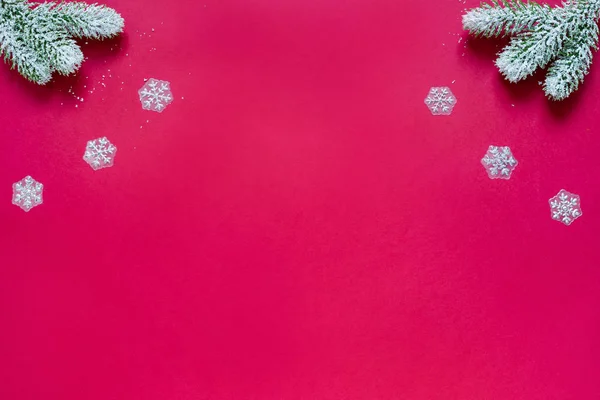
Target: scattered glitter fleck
(440, 101)
(565, 207)
(27, 193)
(100, 153)
(499, 162)
(155, 95)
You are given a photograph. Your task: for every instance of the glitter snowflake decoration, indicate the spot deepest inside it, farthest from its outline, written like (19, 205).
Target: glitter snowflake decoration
(100, 153)
(499, 162)
(440, 101)
(565, 207)
(27, 193)
(155, 95)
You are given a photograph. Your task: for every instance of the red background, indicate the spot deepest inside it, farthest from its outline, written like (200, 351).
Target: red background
(296, 224)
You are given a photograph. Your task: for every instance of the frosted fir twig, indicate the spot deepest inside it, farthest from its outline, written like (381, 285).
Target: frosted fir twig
(37, 39)
(503, 18)
(573, 63)
(87, 20)
(560, 38)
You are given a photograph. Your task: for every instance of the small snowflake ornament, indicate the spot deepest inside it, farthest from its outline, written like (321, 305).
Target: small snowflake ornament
(155, 95)
(100, 153)
(565, 207)
(27, 193)
(499, 162)
(440, 101)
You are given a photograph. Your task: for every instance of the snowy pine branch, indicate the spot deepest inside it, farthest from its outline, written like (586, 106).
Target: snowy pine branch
(88, 20)
(37, 39)
(20, 55)
(503, 18)
(573, 63)
(532, 50)
(560, 38)
(62, 52)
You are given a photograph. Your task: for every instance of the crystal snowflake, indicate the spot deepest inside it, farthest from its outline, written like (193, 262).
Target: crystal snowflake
(440, 101)
(100, 153)
(155, 95)
(565, 207)
(27, 193)
(499, 162)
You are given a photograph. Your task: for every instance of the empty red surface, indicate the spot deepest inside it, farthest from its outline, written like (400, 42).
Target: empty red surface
(296, 225)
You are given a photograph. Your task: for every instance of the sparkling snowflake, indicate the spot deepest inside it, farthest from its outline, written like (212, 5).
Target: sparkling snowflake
(440, 101)
(100, 153)
(27, 193)
(499, 162)
(155, 95)
(565, 207)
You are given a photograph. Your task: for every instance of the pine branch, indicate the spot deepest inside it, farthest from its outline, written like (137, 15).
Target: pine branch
(503, 18)
(531, 50)
(52, 41)
(88, 20)
(573, 63)
(14, 46)
(561, 37)
(23, 58)
(37, 39)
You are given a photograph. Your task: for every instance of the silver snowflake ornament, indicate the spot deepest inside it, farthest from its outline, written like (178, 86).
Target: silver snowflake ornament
(155, 95)
(27, 193)
(499, 162)
(440, 101)
(100, 153)
(565, 207)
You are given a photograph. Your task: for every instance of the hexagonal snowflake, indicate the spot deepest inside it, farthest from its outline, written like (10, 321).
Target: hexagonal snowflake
(440, 101)
(155, 95)
(565, 207)
(499, 162)
(27, 193)
(100, 153)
